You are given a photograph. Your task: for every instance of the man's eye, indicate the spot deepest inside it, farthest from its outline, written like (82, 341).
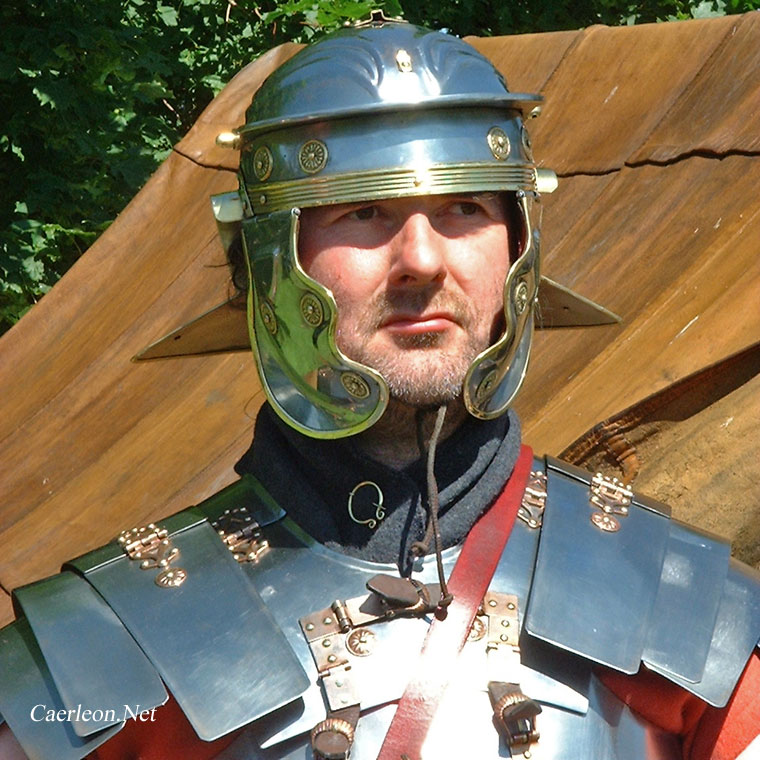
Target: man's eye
(365, 213)
(466, 208)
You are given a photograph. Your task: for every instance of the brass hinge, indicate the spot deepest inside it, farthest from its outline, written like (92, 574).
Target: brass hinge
(325, 631)
(531, 510)
(609, 497)
(241, 534)
(152, 547)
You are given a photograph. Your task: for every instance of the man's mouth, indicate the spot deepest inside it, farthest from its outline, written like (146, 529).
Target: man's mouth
(414, 324)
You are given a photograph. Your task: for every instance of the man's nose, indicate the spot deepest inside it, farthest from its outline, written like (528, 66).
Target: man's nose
(418, 253)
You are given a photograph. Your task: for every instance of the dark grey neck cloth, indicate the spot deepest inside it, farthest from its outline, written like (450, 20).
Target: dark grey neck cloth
(313, 480)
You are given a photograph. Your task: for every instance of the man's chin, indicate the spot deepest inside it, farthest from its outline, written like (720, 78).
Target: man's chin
(423, 372)
(430, 380)
(420, 341)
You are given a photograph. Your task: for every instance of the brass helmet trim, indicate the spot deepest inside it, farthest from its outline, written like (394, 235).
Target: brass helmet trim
(393, 183)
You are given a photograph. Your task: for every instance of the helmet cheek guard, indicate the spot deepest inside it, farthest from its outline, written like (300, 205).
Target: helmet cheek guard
(384, 111)
(293, 321)
(495, 376)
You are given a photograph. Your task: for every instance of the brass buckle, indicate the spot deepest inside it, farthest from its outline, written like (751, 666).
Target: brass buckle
(516, 715)
(152, 547)
(609, 497)
(531, 510)
(241, 534)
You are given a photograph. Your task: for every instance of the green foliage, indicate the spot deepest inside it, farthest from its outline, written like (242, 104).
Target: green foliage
(94, 95)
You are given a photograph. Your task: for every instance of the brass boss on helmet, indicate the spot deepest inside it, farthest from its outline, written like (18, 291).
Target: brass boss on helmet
(387, 110)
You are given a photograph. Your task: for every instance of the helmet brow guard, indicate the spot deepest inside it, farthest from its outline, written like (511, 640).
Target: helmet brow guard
(387, 110)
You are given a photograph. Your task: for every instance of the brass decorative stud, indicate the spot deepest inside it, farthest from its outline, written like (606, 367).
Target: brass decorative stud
(486, 385)
(354, 385)
(498, 142)
(360, 642)
(312, 157)
(478, 630)
(605, 522)
(268, 317)
(262, 163)
(311, 310)
(521, 297)
(404, 61)
(171, 578)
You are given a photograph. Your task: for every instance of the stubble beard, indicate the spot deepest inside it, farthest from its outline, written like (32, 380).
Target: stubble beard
(422, 370)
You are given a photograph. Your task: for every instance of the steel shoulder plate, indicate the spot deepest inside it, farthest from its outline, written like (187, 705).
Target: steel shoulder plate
(733, 640)
(31, 704)
(210, 636)
(687, 603)
(98, 669)
(648, 589)
(594, 588)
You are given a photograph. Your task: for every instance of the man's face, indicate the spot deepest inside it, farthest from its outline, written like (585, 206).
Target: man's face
(418, 283)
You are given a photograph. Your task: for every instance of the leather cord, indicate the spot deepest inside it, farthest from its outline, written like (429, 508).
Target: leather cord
(468, 583)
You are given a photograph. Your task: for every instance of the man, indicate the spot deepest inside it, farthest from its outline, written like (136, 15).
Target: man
(389, 230)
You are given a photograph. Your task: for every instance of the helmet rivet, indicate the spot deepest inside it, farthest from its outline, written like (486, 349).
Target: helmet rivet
(268, 317)
(312, 157)
(311, 310)
(521, 297)
(485, 387)
(498, 142)
(354, 384)
(262, 163)
(404, 61)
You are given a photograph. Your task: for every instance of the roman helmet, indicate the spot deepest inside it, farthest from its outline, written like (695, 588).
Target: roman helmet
(379, 110)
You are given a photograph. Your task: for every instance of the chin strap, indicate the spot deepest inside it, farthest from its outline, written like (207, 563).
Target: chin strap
(421, 548)
(468, 584)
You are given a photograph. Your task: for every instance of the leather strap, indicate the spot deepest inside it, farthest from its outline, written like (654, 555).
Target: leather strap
(468, 583)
